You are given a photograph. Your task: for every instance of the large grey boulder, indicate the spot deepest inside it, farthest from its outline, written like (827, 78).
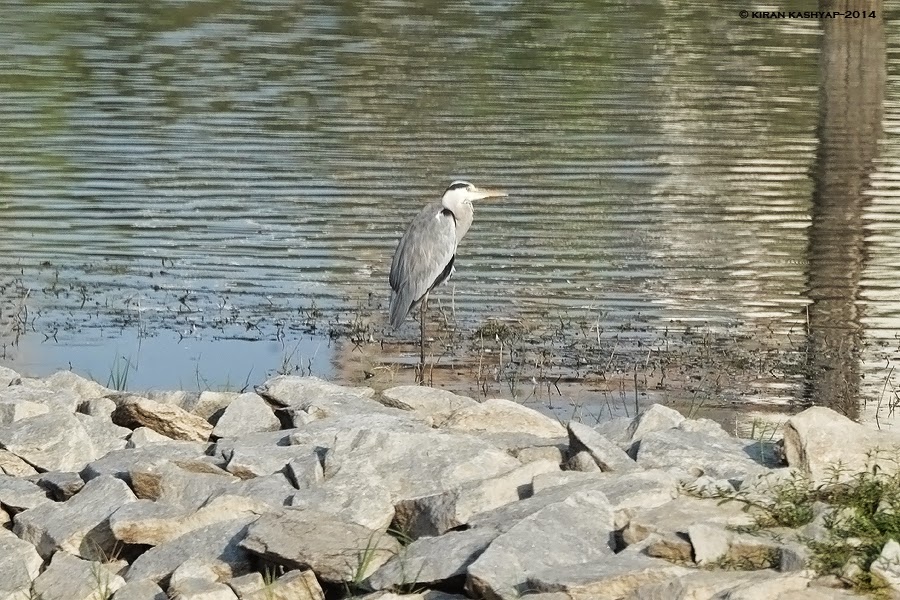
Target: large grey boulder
(369, 504)
(607, 455)
(673, 519)
(293, 585)
(437, 513)
(56, 441)
(503, 416)
(433, 560)
(248, 462)
(10, 464)
(715, 456)
(19, 494)
(68, 381)
(167, 419)
(411, 464)
(318, 399)
(338, 551)
(104, 434)
(610, 579)
(32, 390)
(627, 493)
(8, 376)
(155, 523)
(429, 402)
(218, 545)
(80, 525)
(20, 564)
(575, 532)
(247, 413)
(12, 410)
(71, 578)
(143, 589)
(201, 589)
(655, 418)
(173, 484)
(809, 444)
(119, 463)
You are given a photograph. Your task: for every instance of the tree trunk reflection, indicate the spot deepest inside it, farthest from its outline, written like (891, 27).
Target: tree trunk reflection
(851, 95)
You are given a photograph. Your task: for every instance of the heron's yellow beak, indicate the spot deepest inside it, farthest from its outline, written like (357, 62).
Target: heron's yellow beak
(483, 194)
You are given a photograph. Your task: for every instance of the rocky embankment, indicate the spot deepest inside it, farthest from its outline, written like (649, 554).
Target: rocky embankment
(305, 490)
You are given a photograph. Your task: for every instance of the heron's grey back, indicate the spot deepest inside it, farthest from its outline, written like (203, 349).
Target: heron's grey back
(424, 251)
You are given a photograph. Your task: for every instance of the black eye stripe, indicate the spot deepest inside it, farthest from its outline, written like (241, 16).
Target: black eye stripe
(458, 184)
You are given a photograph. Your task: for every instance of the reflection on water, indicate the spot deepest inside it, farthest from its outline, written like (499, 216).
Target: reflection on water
(242, 170)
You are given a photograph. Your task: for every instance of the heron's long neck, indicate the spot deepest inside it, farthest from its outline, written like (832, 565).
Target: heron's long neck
(463, 214)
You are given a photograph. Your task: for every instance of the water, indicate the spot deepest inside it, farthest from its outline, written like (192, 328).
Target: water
(229, 179)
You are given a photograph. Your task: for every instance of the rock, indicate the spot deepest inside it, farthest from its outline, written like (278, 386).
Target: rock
(437, 513)
(71, 578)
(627, 493)
(80, 525)
(617, 430)
(655, 418)
(11, 411)
(8, 377)
(167, 419)
(293, 585)
(764, 588)
(10, 464)
(410, 465)
(338, 551)
(169, 483)
(274, 490)
(119, 463)
(699, 584)
(143, 436)
(18, 494)
(583, 462)
(704, 426)
(433, 560)
(105, 436)
(248, 462)
(31, 390)
(312, 399)
(886, 568)
(155, 523)
(426, 401)
(208, 404)
(143, 589)
(499, 415)
(710, 542)
(248, 413)
(53, 442)
(718, 457)
(199, 589)
(674, 518)
(67, 381)
(573, 533)
(609, 579)
(217, 544)
(809, 445)
(192, 569)
(20, 564)
(365, 503)
(305, 472)
(289, 390)
(98, 407)
(248, 584)
(604, 453)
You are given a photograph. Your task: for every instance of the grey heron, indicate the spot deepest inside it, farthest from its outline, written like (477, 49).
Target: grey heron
(426, 252)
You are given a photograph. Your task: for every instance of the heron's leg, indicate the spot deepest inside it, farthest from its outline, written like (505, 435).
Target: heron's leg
(422, 309)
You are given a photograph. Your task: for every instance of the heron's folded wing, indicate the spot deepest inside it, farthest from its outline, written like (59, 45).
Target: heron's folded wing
(423, 253)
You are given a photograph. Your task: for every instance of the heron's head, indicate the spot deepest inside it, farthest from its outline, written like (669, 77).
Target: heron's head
(463, 191)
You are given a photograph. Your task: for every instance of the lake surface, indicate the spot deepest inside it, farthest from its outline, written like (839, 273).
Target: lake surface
(702, 208)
